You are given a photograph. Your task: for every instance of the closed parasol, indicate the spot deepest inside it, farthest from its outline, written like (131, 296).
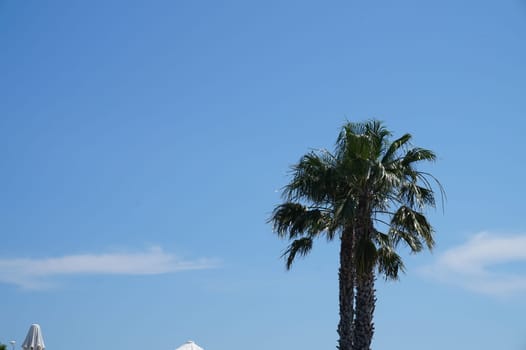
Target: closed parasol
(189, 345)
(34, 340)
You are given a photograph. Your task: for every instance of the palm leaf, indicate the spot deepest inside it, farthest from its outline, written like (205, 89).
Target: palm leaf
(301, 246)
(390, 264)
(294, 219)
(395, 147)
(312, 179)
(413, 223)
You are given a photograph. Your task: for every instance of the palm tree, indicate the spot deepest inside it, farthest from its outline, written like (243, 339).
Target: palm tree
(369, 194)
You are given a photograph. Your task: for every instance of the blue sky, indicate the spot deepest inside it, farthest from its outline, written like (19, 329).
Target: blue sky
(144, 145)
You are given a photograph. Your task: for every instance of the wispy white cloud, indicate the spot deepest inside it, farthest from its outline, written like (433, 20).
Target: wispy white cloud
(38, 273)
(487, 263)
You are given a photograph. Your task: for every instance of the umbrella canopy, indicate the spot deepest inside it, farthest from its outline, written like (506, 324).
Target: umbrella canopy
(34, 340)
(189, 345)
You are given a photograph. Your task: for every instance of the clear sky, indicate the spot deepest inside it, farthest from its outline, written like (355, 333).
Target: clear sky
(144, 144)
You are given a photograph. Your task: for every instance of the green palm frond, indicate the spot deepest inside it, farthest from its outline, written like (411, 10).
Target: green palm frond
(353, 143)
(293, 219)
(412, 223)
(313, 178)
(366, 255)
(301, 246)
(378, 137)
(395, 147)
(390, 264)
(411, 240)
(416, 155)
(427, 178)
(416, 196)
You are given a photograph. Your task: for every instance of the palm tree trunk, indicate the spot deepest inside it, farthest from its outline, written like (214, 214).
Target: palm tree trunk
(346, 281)
(365, 303)
(365, 292)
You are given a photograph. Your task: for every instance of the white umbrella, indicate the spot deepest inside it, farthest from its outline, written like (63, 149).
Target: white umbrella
(34, 340)
(189, 345)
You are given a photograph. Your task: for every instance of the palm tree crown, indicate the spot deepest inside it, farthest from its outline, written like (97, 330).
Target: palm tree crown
(370, 195)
